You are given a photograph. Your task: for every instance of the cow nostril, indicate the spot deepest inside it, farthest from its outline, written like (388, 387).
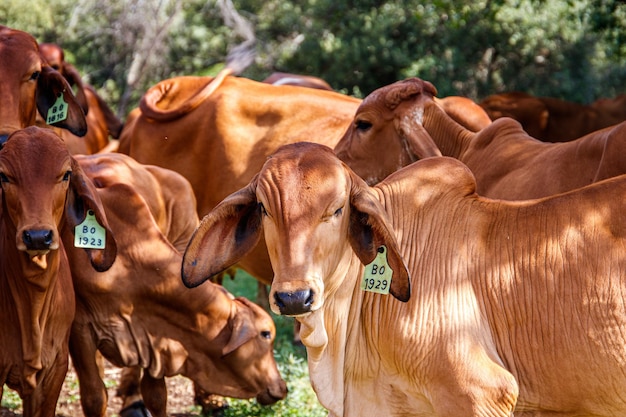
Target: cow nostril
(309, 300)
(28, 241)
(294, 303)
(3, 139)
(37, 239)
(48, 238)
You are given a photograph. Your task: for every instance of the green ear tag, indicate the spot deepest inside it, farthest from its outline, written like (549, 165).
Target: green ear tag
(58, 112)
(377, 274)
(89, 234)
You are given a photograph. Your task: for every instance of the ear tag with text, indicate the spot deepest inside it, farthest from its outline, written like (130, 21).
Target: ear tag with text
(89, 234)
(58, 112)
(377, 274)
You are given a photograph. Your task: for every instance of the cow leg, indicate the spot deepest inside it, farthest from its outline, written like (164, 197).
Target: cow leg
(128, 391)
(154, 393)
(93, 393)
(43, 401)
(212, 404)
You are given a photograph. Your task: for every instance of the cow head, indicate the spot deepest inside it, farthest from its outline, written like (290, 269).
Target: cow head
(387, 133)
(55, 57)
(43, 187)
(29, 84)
(245, 358)
(314, 212)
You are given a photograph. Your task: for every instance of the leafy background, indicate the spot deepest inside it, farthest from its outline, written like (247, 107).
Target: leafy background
(572, 49)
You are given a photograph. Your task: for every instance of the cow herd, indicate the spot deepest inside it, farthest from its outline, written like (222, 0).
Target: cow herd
(439, 263)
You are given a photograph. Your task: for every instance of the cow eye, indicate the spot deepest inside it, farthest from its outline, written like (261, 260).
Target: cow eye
(34, 75)
(3, 177)
(67, 175)
(338, 212)
(266, 334)
(263, 211)
(362, 125)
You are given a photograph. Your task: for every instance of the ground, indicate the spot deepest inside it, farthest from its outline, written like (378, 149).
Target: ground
(179, 404)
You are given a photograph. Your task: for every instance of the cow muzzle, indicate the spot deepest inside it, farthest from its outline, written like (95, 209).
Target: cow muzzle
(38, 239)
(294, 303)
(38, 243)
(273, 394)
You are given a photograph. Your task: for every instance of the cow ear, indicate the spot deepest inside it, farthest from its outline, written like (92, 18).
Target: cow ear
(82, 198)
(51, 86)
(224, 236)
(242, 330)
(410, 129)
(73, 78)
(369, 230)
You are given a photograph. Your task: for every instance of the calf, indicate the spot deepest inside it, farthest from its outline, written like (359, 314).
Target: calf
(139, 314)
(44, 194)
(496, 307)
(28, 84)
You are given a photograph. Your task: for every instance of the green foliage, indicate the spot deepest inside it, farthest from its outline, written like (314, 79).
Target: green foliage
(573, 49)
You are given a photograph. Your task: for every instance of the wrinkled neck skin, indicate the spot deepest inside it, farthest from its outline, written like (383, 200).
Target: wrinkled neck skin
(327, 353)
(33, 288)
(451, 138)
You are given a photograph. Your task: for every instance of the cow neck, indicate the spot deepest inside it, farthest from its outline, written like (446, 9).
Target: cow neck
(326, 355)
(451, 138)
(30, 290)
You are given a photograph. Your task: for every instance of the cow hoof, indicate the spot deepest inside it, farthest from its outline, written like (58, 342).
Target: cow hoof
(136, 409)
(214, 407)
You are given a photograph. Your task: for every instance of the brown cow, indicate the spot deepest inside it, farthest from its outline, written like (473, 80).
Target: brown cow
(101, 120)
(464, 111)
(169, 195)
(516, 308)
(29, 85)
(217, 133)
(506, 161)
(173, 206)
(139, 314)
(44, 194)
(285, 78)
(554, 120)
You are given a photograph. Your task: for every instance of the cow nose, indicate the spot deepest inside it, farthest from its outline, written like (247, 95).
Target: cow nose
(294, 303)
(37, 239)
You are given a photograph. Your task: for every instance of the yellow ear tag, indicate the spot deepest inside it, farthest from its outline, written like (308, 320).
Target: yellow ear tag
(58, 112)
(377, 274)
(89, 234)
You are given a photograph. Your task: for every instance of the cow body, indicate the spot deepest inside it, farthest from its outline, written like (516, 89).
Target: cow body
(554, 120)
(30, 85)
(513, 306)
(138, 314)
(285, 78)
(220, 144)
(506, 161)
(465, 112)
(44, 194)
